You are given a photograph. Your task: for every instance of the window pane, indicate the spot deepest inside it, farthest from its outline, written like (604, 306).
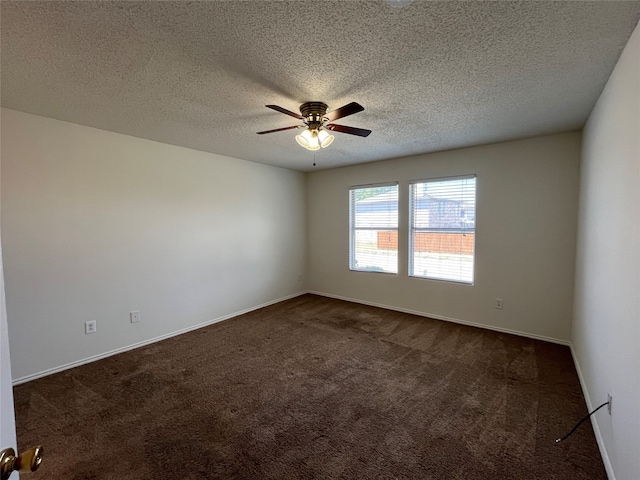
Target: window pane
(374, 229)
(442, 229)
(443, 256)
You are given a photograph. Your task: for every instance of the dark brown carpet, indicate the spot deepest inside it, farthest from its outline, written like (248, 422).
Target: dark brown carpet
(316, 388)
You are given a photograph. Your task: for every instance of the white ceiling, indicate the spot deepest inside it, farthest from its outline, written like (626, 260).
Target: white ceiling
(431, 76)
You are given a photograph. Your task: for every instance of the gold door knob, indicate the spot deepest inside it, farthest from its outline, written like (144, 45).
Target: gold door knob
(28, 461)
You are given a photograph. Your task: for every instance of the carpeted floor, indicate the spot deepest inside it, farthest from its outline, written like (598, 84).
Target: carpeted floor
(316, 388)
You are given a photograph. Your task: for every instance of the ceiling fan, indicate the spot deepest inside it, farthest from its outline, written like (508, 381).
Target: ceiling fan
(316, 120)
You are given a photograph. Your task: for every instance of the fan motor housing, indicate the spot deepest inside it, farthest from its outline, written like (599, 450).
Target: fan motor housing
(313, 109)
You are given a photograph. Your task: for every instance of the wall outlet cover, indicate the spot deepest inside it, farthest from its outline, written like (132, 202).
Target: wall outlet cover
(90, 327)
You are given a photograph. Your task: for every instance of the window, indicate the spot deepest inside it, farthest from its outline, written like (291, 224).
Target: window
(373, 221)
(442, 218)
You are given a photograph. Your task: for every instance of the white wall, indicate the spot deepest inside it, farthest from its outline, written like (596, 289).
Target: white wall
(7, 418)
(527, 193)
(96, 224)
(606, 327)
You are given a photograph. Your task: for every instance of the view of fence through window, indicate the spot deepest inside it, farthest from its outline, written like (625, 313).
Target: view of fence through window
(374, 228)
(442, 215)
(442, 229)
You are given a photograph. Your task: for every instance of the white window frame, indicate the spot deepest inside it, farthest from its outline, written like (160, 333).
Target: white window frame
(413, 229)
(352, 228)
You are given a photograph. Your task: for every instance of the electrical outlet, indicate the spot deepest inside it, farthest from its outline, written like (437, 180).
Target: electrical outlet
(499, 303)
(90, 327)
(134, 316)
(609, 399)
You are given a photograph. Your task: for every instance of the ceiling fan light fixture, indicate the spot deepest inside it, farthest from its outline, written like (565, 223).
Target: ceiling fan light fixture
(314, 142)
(302, 141)
(309, 140)
(305, 139)
(324, 138)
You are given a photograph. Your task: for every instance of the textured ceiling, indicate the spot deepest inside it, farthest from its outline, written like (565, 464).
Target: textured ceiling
(431, 76)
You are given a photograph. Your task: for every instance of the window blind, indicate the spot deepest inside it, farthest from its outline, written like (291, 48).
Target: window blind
(374, 228)
(442, 214)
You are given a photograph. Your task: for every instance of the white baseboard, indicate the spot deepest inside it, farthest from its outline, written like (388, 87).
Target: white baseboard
(93, 358)
(110, 353)
(594, 421)
(446, 319)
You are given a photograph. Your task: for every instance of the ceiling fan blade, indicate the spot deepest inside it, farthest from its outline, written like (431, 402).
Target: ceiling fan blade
(281, 129)
(348, 109)
(285, 111)
(361, 132)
